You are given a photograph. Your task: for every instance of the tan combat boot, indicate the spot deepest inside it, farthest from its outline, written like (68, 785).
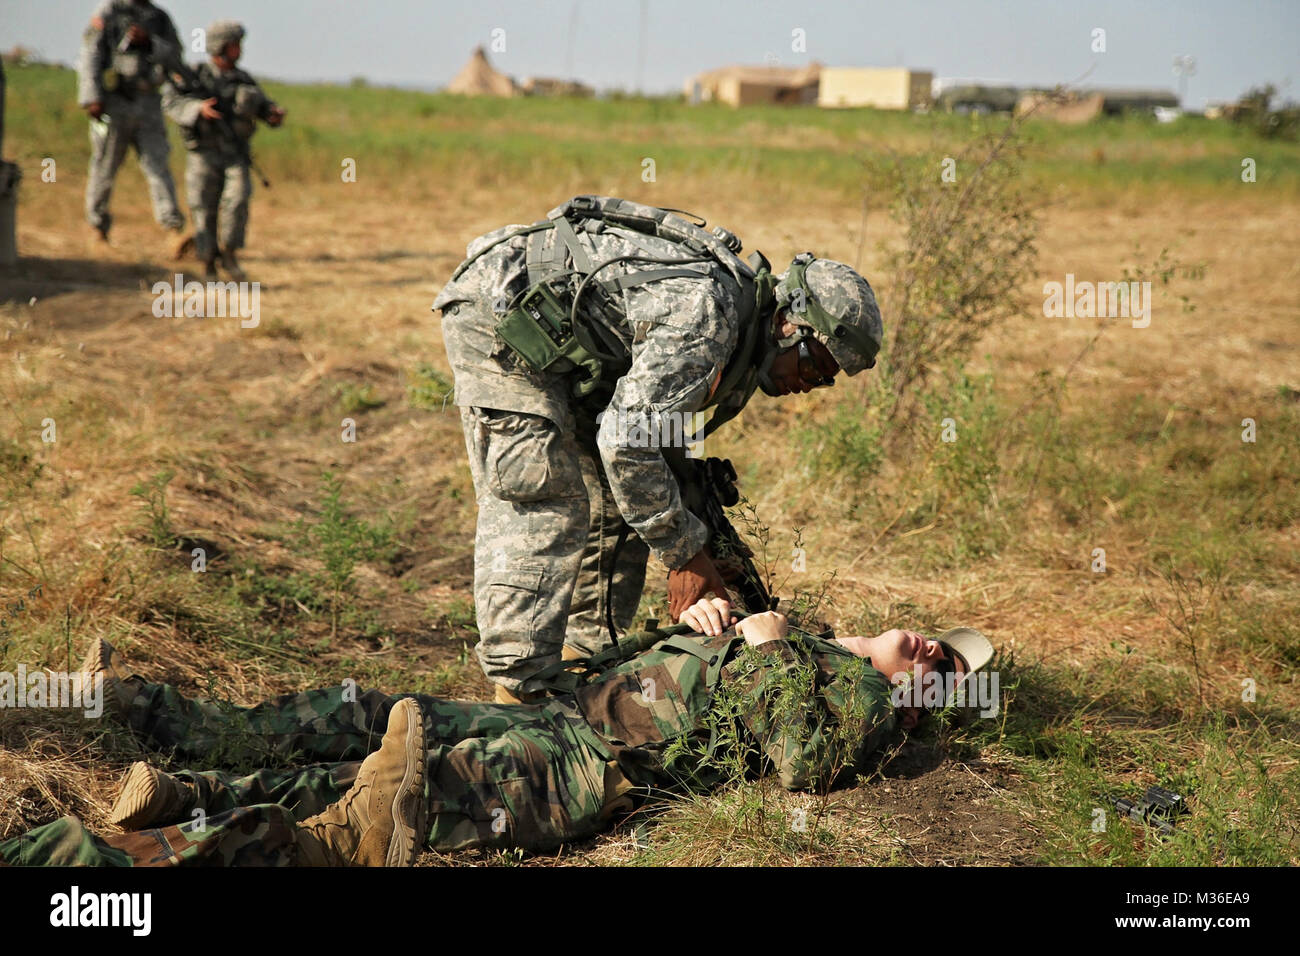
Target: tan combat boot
(569, 653)
(148, 796)
(102, 660)
(183, 246)
(381, 820)
(230, 263)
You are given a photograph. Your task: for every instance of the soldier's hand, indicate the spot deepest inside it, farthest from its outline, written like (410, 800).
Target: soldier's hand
(208, 109)
(760, 628)
(137, 34)
(95, 110)
(691, 582)
(709, 616)
(276, 116)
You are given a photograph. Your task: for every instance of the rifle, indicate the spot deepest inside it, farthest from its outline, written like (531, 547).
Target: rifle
(1160, 808)
(191, 83)
(708, 488)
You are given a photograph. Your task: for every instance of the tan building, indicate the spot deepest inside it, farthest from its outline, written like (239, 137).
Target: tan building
(549, 86)
(478, 78)
(753, 85)
(892, 88)
(1083, 106)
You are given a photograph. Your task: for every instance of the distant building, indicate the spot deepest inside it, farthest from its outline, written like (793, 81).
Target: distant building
(893, 88)
(978, 98)
(1081, 106)
(1116, 101)
(547, 86)
(478, 78)
(753, 85)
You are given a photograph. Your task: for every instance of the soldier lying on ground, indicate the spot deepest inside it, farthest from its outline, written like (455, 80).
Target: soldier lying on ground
(685, 714)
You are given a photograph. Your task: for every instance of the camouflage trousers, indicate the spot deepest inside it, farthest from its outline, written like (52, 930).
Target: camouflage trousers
(526, 776)
(554, 561)
(218, 186)
(137, 122)
(250, 836)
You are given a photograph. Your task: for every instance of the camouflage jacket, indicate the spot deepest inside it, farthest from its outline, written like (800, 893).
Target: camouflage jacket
(803, 708)
(137, 70)
(239, 99)
(678, 335)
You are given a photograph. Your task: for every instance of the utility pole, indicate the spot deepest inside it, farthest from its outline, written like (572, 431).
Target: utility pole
(640, 52)
(1184, 66)
(568, 49)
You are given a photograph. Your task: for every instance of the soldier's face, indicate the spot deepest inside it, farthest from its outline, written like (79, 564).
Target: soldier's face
(231, 53)
(903, 655)
(802, 367)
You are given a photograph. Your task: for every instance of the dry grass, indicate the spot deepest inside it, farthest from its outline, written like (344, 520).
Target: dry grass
(248, 420)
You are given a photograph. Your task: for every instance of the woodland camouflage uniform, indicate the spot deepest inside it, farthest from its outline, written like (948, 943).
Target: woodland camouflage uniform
(531, 776)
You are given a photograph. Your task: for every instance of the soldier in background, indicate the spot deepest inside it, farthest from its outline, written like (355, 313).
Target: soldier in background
(118, 76)
(217, 106)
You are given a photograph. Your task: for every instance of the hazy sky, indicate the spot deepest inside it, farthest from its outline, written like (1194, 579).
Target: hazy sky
(1236, 43)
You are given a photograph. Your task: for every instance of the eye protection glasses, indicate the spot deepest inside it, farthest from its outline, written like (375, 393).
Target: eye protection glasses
(808, 370)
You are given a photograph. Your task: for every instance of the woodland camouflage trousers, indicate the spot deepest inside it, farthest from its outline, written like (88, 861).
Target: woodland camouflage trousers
(531, 776)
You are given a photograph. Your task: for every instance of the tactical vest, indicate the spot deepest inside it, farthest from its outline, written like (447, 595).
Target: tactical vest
(130, 71)
(235, 128)
(544, 324)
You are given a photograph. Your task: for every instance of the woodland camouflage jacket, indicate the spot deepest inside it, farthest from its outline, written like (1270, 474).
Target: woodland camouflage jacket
(804, 708)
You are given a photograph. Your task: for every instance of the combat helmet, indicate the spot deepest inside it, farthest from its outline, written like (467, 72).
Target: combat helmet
(220, 33)
(835, 305)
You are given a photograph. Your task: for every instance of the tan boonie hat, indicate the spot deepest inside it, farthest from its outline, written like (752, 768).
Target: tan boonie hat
(969, 648)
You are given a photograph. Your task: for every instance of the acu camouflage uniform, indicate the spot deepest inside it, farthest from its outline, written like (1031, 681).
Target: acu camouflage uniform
(218, 178)
(532, 776)
(127, 84)
(555, 492)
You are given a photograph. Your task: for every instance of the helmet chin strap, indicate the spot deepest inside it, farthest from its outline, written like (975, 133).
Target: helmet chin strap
(764, 379)
(777, 345)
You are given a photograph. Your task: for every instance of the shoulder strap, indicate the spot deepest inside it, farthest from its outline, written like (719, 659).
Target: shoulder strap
(669, 224)
(716, 658)
(522, 231)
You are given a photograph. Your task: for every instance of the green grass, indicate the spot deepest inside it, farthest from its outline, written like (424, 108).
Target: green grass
(1197, 524)
(406, 135)
(1085, 739)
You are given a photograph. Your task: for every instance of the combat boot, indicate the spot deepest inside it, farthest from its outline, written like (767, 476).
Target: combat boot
(147, 796)
(183, 247)
(231, 264)
(381, 820)
(103, 661)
